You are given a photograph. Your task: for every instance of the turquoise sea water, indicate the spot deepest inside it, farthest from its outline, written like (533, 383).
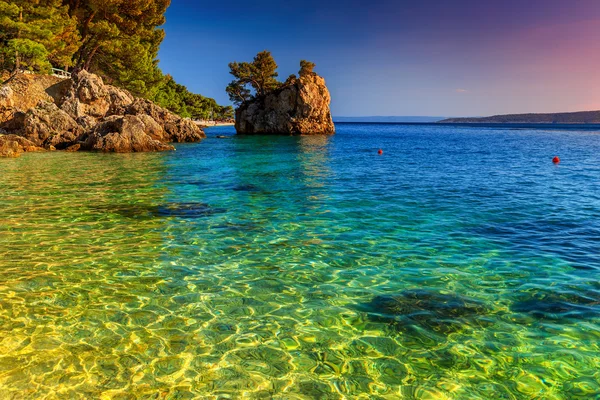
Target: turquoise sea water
(460, 264)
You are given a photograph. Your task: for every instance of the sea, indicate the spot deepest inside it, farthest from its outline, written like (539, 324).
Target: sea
(460, 263)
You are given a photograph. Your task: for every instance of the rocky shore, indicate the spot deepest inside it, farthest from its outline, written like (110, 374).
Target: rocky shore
(39, 113)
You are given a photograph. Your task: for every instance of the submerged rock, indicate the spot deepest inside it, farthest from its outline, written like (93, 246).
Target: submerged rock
(440, 313)
(300, 107)
(557, 306)
(190, 210)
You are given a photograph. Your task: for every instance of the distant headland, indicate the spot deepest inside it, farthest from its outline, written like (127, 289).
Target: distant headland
(582, 117)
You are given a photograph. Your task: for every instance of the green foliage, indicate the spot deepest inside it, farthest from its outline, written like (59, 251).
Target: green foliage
(180, 100)
(35, 34)
(32, 56)
(116, 39)
(306, 68)
(261, 75)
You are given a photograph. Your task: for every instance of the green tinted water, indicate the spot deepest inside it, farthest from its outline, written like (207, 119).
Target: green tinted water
(290, 268)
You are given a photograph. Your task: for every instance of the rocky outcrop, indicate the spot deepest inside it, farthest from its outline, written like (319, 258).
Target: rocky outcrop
(14, 145)
(85, 114)
(175, 129)
(45, 126)
(89, 97)
(300, 107)
(124, 134)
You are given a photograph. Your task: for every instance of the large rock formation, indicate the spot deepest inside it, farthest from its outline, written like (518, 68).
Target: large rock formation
(85, 114)
(125, 134)
(299, 107)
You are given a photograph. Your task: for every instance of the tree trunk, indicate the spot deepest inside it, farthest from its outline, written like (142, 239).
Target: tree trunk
(17, 56)
(90, 57)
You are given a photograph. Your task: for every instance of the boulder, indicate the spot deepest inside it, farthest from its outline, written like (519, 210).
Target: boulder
(124, 134)
(9, 148)
(300, 107)
(176, 129)
(13, 146)
(90, 97)
(7, 103)
(45, 126)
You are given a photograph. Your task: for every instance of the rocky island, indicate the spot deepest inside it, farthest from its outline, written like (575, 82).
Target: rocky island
(298, 106)
(41, 112)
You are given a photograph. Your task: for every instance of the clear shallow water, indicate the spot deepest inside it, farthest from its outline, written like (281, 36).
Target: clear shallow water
(461, 264)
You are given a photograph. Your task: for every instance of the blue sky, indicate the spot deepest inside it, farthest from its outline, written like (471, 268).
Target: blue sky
(428, 57)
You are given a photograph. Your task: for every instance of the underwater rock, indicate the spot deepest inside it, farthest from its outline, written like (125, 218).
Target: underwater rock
(246, 188)
(190, 210)
(557, 306)
(440, 313)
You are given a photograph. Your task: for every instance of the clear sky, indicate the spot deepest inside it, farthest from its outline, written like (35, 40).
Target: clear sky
(401, 57)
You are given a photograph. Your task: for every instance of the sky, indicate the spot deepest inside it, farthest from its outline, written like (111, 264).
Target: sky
(402, 57)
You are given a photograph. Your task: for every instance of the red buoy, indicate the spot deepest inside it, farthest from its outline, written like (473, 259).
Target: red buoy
(556, 160)
(380, 152)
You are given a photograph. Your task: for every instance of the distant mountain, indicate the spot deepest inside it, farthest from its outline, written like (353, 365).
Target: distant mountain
(388, 119)
(582, 117)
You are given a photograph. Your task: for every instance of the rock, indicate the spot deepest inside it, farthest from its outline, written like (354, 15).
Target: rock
(6, 97)
(14, 145)
(436, 312)
(558, 305)
(89, 97)
(85, 104)
(123, 134)
(46, 125)
(176, 129)
(300, 107)
(7, 103)
(73, 148)
(9, 148)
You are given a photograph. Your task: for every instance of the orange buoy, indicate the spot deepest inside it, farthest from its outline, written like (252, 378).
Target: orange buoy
(380, 152)
(556, 160)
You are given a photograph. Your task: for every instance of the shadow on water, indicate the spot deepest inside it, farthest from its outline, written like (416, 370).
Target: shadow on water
(415, 310)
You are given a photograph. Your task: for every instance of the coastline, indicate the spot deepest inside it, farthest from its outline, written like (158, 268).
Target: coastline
(212, 124)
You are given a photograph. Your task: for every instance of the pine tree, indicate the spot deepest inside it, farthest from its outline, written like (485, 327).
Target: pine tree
(261, 75)
(120, 41)
(36, 34)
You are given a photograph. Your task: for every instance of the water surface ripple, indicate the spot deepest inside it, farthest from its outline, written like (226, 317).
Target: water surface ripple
(460, 264)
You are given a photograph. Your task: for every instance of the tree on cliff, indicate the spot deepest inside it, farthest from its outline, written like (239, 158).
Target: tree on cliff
(260, 75)
(36, 34)
(306, 68)
(258, 78)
